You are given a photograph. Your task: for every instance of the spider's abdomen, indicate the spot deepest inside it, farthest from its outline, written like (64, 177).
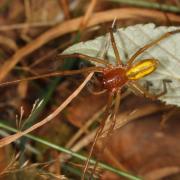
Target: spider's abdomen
(114, 78)
(142, 69)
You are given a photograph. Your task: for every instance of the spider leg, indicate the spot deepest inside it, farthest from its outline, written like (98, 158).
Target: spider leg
(137, 88)
(110, 129)
(91, 89)
(85, 57)
(96, 93)
(165, 82)
(116, 108)
(148, 85)
(144, 48)
(98, 133)
(55, 74)
(116, 52)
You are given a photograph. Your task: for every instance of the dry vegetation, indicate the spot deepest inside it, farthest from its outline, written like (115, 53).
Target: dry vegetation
(32, 34)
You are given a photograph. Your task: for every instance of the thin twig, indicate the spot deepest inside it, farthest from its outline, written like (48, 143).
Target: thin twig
(76, 155)
(122, 119)
(147, 4)
(88, 14)
(65, 8)
(8, 42)
(73, 25)
(28, 11)
(84, 128)
(27, 25)
(7, 140)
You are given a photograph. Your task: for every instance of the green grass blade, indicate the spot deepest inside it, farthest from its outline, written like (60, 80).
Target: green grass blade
(73, 154)
(147, 4)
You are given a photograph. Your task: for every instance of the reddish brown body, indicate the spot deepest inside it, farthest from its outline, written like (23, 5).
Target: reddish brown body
(114, 78)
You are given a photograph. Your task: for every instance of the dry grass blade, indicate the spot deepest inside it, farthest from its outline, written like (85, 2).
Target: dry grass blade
(88, 14)
(73, 25)
(7, 42)
(65, 7)
(11, 138)
(129, 116)
(122, 120)
(162, 173)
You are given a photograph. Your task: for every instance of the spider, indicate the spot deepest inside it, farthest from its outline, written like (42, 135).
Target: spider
(114, 78)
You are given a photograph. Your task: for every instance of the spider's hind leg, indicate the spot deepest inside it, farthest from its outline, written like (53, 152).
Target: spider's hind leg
(144, 92)
(148, 85)
(164, 91)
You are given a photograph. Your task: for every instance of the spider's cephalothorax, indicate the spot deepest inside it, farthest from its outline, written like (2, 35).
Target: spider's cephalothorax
(115, 78)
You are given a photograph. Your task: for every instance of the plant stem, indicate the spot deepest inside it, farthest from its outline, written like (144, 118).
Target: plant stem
(147, 4)
(65, 150)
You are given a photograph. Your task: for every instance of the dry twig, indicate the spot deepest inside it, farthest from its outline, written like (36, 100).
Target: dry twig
(7, 140)
(88, 14)
(73, 25)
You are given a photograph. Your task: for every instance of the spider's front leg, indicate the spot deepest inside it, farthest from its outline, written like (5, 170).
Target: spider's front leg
(85, 57)
(115, 49)
(151, 44)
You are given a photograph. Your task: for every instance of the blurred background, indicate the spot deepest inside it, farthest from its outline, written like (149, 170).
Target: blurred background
(32, 35)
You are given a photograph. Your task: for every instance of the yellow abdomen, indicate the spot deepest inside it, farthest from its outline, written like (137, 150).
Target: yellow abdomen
(141, 69)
